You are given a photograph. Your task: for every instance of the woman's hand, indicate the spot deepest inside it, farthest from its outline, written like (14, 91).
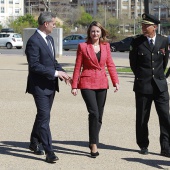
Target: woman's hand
(117, 87)
(74, 92)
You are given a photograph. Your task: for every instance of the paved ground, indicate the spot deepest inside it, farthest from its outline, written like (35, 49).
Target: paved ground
(69, 126)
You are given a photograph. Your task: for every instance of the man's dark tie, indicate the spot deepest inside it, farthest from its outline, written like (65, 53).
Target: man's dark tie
(151, 44)
(49, 44)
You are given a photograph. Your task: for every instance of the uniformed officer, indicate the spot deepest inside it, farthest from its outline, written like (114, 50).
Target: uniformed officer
(148, 60)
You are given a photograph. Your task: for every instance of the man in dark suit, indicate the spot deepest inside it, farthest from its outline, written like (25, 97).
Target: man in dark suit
(148, 60)
(42, 83)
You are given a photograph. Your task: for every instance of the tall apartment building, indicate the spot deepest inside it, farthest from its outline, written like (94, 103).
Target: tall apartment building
(37, 6)
(118, 8)
(10, 9)
(160, 9)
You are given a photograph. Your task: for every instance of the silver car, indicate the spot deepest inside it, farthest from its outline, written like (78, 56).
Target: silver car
(10, 40)
(72, 41)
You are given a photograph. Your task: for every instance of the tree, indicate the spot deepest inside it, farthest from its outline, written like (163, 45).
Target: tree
(85, 19)
(22, 22)
(111, 23)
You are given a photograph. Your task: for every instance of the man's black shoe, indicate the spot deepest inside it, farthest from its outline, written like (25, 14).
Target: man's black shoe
(36, 149)
(165, 152)
(144, 151)
(51, 157)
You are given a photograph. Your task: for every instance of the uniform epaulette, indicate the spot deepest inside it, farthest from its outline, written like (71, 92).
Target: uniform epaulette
(136, 36)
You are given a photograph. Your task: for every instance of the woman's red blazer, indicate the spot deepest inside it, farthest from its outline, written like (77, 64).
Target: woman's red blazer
(91, 74)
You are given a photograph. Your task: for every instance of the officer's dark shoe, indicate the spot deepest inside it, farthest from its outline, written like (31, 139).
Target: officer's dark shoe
(144, 151)
(165, 152)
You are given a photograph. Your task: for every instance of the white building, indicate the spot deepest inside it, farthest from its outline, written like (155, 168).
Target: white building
(10, 9)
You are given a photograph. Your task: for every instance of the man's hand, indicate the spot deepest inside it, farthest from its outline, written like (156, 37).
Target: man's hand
(63, 75)
(68, 81)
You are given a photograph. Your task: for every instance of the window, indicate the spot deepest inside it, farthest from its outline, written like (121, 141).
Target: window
(2, 10)
(10, 1)
(17, 10)
(68, 38)
(17, 36)
(16, 1)
(4, 35)
(2, 1)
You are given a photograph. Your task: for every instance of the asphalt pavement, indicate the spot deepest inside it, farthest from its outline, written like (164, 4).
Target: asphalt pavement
(69, 125)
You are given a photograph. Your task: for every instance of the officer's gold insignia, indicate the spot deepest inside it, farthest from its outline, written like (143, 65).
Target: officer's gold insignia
(144, 16)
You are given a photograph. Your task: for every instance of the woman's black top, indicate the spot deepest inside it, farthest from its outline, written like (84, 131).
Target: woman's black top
(98, 56)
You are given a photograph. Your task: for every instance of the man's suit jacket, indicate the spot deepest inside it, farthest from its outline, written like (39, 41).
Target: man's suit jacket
(148, 65)
(42, 66)
(93, 74)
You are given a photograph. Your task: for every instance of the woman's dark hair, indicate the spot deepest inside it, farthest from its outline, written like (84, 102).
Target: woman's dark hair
(104, 33)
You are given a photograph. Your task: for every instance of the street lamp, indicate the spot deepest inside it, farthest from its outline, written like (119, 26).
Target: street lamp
(117, 13)
(134, 26)
(159, 16)
(105, 10)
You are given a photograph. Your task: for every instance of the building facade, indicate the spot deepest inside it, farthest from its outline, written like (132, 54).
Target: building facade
(118, 8)
(10, 9)
(36, 6)
(160, 9)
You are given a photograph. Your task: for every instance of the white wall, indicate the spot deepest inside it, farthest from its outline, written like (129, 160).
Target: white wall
(57, 35)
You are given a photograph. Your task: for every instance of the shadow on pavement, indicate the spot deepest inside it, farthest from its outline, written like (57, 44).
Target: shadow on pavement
(150, 162)
(16, 149)
(20, 149)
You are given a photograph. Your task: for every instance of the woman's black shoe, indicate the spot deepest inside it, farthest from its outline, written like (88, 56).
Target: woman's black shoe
(94, 155)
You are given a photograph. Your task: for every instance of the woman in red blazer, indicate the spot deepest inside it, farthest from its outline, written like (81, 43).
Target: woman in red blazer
(90, 76)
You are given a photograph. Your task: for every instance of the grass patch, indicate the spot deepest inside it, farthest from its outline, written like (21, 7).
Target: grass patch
(119, 70)
(124, 70)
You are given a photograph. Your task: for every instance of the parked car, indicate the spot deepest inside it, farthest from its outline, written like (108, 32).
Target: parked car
(72, 41)
(10, 40)
(123, 45)
(7, 30)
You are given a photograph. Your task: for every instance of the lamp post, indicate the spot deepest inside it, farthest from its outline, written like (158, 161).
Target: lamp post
(159, 16)
(105, 10)
(105, 16)
(117, 13)
(29, 6)
(146, 5)
(134, 27)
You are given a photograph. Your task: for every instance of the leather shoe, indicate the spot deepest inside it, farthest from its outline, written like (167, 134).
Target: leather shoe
(51, 157)
(94, 154)
(144, 151)
(165, 152)
(36, 149)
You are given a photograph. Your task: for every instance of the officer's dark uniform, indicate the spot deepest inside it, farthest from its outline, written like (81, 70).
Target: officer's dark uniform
(148, 66)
